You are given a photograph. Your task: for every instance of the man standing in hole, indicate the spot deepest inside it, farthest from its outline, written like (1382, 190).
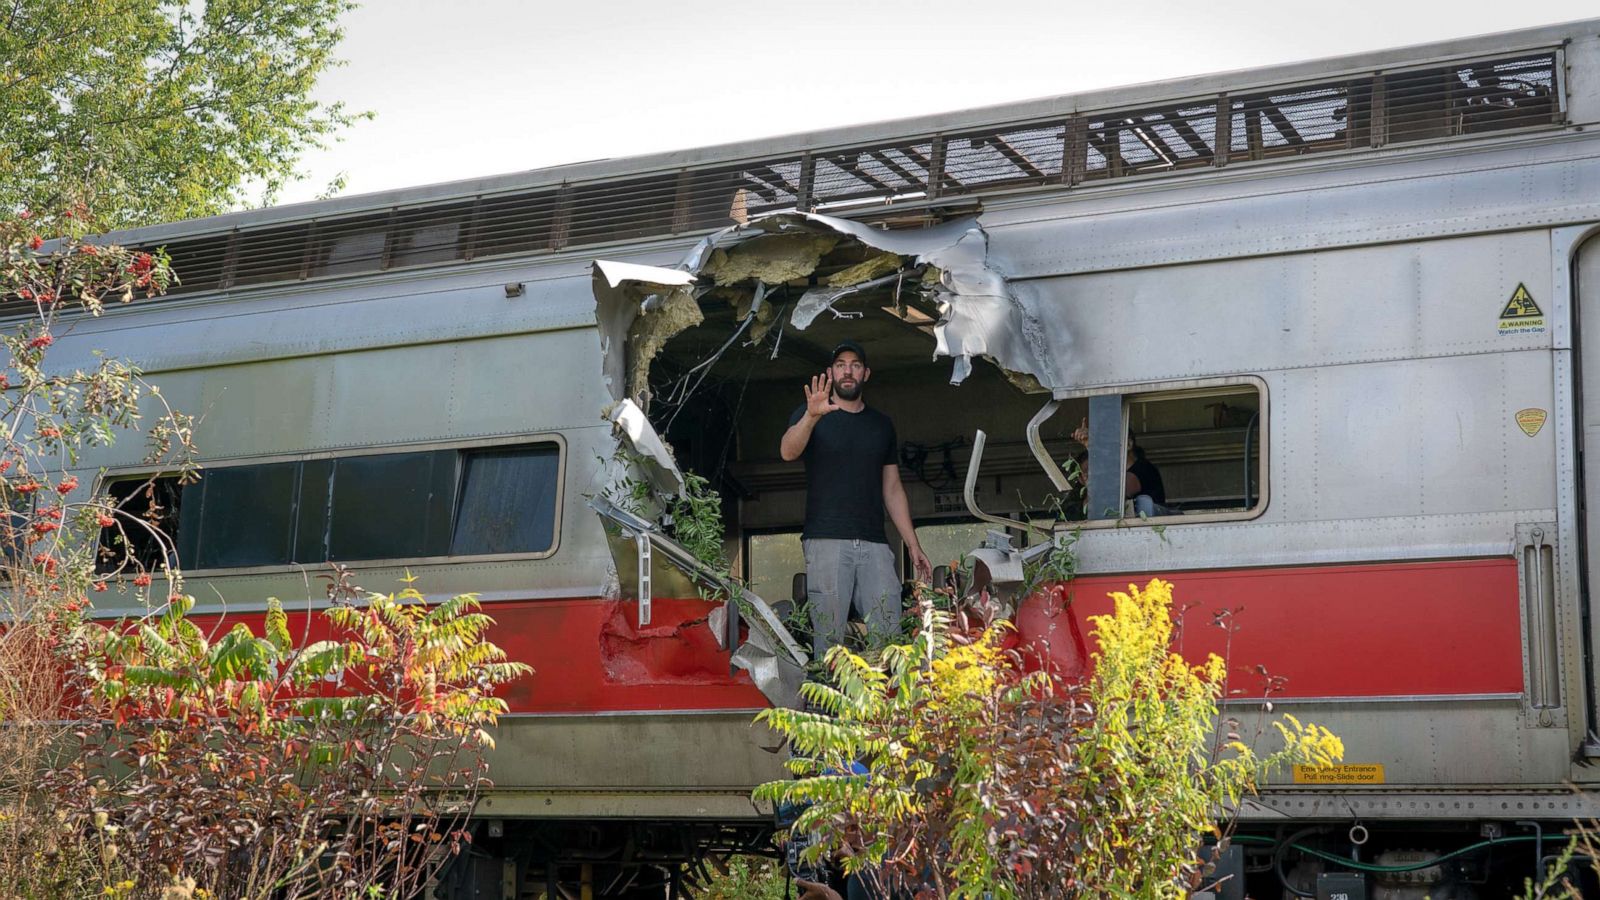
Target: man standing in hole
(852, 475)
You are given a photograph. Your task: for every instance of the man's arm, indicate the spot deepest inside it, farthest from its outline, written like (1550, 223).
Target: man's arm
(819, 402)
(894, 500)
(797, 437)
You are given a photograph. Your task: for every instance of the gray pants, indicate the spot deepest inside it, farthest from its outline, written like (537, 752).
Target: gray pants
(841, 574)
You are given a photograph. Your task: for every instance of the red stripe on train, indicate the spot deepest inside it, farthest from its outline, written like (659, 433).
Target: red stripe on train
(1398, 629)
(1448, 628)
(590, 656)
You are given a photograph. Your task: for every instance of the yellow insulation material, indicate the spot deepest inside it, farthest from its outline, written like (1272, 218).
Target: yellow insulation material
(773, 258)
(651, 331)
(866, 270)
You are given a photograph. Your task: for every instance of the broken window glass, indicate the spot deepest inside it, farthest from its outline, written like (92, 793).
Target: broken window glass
(508, 500)
(143, 504)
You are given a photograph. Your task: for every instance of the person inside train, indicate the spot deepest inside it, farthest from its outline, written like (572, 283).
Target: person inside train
(852, 463)
(1141, 483)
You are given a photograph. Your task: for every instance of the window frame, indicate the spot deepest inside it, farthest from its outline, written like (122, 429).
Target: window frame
(1178, 388)
(119, 473)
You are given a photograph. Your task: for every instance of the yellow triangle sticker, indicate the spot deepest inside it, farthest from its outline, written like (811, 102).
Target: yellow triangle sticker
(1521, 305)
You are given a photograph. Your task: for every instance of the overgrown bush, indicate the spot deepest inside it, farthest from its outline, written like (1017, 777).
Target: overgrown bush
(50, 524)
(273, 765)
(334, 754)
(950, 769)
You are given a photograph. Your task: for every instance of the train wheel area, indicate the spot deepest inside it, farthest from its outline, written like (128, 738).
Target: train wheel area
(521, 859)
(1397, 860)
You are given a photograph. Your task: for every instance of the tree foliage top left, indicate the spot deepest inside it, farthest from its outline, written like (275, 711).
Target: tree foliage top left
(160, 110)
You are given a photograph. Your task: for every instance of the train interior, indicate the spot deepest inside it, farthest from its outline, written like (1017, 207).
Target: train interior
(722, 398)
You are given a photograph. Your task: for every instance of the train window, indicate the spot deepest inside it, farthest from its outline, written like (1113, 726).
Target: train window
(157, 501)
(246, 515)
(508, 501)
(1192, 451)
(386, 506)
(383, 506)
(772, 561)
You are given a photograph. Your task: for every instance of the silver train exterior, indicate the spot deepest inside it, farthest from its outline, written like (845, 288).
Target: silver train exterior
(1411, 303)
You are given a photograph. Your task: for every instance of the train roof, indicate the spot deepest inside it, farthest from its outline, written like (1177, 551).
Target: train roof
(1361, 103)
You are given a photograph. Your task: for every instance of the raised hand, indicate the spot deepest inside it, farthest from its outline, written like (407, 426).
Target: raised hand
(819, 396)
(1081, 435)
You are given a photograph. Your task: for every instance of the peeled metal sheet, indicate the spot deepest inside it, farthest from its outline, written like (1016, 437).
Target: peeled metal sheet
(980, 314)
(639, 436)
(622, 292)
(770, 654)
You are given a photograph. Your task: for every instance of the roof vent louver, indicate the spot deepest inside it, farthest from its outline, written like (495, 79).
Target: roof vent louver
(1366, 111)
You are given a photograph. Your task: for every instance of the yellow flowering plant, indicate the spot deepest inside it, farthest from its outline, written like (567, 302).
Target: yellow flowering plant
(949, 768)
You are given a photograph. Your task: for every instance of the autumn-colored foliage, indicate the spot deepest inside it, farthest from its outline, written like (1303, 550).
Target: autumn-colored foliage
(50, 523)
(333, 752)
(274, 765)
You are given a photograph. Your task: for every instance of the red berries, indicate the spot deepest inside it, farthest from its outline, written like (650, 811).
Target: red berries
(42, 341)
(142, 579)
(35, 242)
(68, 484)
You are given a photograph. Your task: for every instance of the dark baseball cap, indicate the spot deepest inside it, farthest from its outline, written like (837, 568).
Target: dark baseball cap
(851, 346)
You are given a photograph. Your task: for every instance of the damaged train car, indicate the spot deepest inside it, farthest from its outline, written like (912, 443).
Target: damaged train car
(1340, 305)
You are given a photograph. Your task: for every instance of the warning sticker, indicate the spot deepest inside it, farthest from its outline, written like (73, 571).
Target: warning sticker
(1531, 420)
(1345, 773)
(1521, 314)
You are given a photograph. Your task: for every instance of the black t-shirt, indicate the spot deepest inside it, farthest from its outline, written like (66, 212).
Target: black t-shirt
(844, 474)
(1149, 478)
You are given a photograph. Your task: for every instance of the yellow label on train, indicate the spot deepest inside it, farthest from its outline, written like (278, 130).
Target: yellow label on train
(1346, 773)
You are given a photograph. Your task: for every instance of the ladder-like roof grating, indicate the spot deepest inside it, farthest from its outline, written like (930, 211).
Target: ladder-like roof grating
(1459, 100)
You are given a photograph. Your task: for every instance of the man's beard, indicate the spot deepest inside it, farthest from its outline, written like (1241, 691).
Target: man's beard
(849, 394)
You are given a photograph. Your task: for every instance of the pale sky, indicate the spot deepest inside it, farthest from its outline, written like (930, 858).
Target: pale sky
(481, 87)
